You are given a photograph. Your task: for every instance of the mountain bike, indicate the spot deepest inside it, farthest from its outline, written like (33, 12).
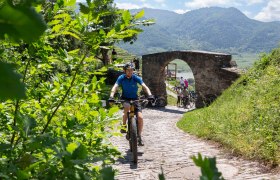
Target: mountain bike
(193, 98)
(186, 101)
(158, 102)
(132, 126)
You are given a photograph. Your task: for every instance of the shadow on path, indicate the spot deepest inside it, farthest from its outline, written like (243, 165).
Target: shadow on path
(164, 109)
(127, 159)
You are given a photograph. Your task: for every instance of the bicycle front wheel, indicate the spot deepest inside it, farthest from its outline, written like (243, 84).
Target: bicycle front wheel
(133, 140)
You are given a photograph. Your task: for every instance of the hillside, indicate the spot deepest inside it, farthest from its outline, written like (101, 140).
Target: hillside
(210, 29)
(245, 118)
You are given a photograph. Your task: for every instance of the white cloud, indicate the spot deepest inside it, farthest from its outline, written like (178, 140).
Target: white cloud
(270, 13)
(181, 11)
(194, 4)
(132, 6)
(127, 6)
(251, 2)
(206, 3)
(248, 13)
(159, 1)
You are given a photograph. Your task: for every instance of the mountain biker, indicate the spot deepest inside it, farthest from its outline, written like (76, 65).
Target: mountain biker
(186, 97)
(128, 82)
(182, 83)
(186, 83)
(179, 95)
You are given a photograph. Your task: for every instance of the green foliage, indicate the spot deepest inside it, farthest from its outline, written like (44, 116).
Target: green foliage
(11, 86)
(29, 28)
(161, 175)
(20, 21)
(60, 130)
(245, 117)
(209, 171)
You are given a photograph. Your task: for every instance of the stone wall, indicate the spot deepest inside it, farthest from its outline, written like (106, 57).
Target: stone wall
(213, 72)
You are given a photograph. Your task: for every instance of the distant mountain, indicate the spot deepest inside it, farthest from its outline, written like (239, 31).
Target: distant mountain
(210, 29)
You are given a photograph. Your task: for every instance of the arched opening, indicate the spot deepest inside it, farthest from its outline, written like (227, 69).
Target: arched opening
(183, 95)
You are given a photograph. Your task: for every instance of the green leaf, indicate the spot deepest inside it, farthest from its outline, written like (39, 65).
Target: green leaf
(107, 173)
(57, 28)
(29, 124)
(4, 146)
(126, 17)
(103, 113)
(161, 176)
(32, 166)
(63, 142)
(84, 9)
(94, 113)
(10, 85)
(74, 52)
(95, 98)
(208, 167)
(113, 110)
(71, 34)
(80, 152)
(71, 122)
(21, 22)
(69, 2)
(25, 161)
(139, 14)
(71, 147)
(22, 175)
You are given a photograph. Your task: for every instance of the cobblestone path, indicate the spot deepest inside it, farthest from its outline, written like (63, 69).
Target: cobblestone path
(169, 148)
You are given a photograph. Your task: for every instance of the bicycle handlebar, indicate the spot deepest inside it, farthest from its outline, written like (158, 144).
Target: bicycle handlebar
(129, 101)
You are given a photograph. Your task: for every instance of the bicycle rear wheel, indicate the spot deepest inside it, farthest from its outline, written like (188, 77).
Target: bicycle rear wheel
(133, 140)
(192, 102)
(161, 102)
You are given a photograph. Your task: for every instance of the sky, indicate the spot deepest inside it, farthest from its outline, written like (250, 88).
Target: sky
(261, 10)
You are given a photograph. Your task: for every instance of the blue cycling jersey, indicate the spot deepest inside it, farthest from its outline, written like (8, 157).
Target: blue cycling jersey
(129, 85)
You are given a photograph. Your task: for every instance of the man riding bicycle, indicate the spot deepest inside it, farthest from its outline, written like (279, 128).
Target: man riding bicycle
(128, 82)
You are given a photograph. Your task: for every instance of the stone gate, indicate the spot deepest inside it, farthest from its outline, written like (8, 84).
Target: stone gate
(213, 73)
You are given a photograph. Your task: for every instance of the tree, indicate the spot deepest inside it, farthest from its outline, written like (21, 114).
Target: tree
(56, 128)
(111, 19)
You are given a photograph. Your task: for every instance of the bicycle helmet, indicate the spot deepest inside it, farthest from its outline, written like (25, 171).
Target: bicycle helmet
(128, 66)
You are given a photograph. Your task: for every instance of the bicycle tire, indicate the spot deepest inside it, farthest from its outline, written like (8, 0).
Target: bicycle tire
(192, 104)
(133, 140)
(128, 135)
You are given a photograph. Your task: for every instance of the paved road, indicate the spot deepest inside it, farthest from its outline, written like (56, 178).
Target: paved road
(169, 148)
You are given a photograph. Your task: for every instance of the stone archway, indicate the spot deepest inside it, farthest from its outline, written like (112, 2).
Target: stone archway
(213, 72)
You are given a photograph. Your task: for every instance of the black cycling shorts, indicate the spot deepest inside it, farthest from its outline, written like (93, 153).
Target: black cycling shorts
(137, 104)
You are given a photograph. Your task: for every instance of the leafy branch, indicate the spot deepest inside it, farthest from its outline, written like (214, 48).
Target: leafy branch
(208, 168)
(65, 95)
(17, 102)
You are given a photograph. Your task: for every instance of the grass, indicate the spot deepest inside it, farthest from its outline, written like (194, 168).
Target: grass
(245, 118)
(172, 101)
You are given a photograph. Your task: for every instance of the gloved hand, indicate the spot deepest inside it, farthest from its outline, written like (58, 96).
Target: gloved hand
(151, 98)
(111, 99)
